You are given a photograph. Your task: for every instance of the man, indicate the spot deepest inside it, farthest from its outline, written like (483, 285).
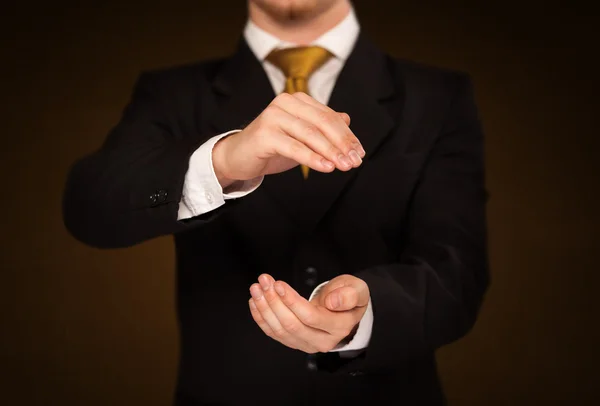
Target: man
(356, 179)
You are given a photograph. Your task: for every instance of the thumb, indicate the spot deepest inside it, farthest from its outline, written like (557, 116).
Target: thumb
(342, 299)
(345, 117)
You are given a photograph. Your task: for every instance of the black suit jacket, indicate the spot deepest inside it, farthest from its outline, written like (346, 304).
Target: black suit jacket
(410, 222)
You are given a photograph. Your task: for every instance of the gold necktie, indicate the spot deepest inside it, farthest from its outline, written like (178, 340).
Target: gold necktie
(297, 64)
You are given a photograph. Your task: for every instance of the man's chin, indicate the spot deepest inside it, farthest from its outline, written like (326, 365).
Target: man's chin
(294, 15)
(290, 11)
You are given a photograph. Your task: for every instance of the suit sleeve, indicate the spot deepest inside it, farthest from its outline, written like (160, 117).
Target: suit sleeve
(129, 190)
(432, 296)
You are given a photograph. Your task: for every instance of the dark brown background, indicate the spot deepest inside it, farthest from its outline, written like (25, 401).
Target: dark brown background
(86, 327)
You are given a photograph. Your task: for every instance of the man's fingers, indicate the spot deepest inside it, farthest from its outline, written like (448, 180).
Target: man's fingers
(345, 117)
(329, 123)
(283, 324)
(306, 312)
(313, 102)
(276, 330)
(310, 314)
(293, 326)
(291, 148)
(307, 99)
(309, 135)
(259, 319)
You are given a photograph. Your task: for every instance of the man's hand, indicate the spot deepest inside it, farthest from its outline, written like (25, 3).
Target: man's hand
(344, 292)
(293, 129)
(316, 326)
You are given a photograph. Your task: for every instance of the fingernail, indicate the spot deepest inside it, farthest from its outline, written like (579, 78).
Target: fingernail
(345, 161)
(334, 301)
(355, 158)
(252, 305)
(265, 283)
(256, 292)
(361, 150)
(279, 289)
(327, 164)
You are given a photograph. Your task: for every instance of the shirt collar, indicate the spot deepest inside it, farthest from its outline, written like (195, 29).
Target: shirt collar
(339, 40)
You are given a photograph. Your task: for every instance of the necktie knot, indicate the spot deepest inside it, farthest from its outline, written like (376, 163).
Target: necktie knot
(299, 62)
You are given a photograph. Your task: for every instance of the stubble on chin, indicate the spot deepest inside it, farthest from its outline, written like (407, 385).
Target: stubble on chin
(291, 13)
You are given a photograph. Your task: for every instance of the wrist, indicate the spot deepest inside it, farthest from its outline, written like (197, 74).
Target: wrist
(218, 161)
(350, 336)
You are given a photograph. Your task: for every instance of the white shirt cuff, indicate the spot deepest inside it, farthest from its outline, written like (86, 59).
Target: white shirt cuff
(363, 333)
(202, 191)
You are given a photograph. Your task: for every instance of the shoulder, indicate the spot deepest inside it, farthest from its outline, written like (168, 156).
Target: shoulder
(181, 77)
(428, 79)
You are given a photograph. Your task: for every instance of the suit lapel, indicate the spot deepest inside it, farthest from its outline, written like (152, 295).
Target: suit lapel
(362, 89)
(243, 90)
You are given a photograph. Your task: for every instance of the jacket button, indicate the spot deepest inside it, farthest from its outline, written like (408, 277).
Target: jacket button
(310, 282)
(158, 197)
(311, 270)
(311, 362)
(162, 195)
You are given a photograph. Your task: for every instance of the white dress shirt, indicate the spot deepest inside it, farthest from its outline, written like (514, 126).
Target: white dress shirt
(202, 191)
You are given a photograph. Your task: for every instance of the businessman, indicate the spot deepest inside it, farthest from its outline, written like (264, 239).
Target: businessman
(327, 203)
